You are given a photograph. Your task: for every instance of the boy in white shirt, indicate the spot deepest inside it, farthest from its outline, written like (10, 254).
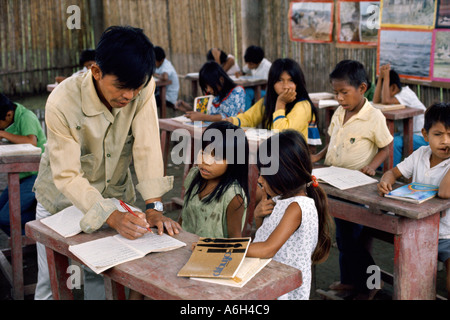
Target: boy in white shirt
(389, 90)
(257, 67)
(430, 165)
(165, 71)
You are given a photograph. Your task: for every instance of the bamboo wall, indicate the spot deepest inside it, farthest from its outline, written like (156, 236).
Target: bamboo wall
(36, 45)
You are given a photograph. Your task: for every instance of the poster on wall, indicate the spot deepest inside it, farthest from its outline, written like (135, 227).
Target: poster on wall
(311, 21)
(443, 14)
(358, 22)
(440, 57)
(419, 14)
(408, 52)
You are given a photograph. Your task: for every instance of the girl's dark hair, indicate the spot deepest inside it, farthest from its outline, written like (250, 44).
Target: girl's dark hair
(5, 106)
(212, 74)
(230, 141)
(126, 53)
(437, 112)
(294, 175)
(293, 69)
(223, 56)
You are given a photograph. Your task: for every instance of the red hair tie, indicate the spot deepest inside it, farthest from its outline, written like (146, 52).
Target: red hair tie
(315, 183)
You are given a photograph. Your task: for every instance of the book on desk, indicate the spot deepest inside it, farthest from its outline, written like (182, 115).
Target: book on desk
(414, 192)
(222, 261)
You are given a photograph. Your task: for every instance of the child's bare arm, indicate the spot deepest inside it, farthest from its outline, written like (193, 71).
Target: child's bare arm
(18, 139)
(235, 211)
(289, 223)
(387, 180)
(318, 156)
(381, 155)
(444, 187)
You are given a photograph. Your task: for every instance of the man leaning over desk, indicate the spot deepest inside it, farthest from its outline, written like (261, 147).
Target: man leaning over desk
(97, 122)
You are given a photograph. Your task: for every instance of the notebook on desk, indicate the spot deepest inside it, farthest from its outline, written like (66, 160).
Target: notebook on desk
(388, 107)
(21, 149)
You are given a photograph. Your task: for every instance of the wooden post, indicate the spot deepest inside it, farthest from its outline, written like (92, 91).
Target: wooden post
(97, 18)
(251, 30)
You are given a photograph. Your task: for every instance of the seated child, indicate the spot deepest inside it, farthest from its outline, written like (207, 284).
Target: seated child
(20, 125)
(292, 220)
(87, 59)
(257, 67)
(359, 139)
(226, 61)
(229, 98)
(286, 105)
(430, 165)
(389, 90)
(165, 71)
(216, 198)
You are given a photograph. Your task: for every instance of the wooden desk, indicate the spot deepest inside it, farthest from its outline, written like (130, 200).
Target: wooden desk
(414, 229)
(406, 115)
(162, 85)
(155, 275)
(13, 165)
(257, 85)
(167, 126)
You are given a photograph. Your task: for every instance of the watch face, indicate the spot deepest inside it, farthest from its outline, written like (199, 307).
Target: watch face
(158, 206)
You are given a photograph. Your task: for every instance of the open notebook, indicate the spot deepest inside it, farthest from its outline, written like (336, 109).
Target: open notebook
(67, 221)
(105, 253)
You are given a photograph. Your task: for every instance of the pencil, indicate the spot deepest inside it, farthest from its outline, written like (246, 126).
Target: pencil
(124, 205)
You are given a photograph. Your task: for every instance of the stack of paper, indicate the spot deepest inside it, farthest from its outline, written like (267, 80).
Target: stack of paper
(328, 103)
(388, 107)
(19, 149)
(316, 96)
(258, 134)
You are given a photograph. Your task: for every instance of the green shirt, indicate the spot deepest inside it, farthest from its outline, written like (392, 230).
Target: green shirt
(208, 219)
(26, 123)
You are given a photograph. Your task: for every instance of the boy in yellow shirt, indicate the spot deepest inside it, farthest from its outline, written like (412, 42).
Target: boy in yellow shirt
(359, 141)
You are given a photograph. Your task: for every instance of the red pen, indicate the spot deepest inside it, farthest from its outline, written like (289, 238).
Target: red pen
(124, 205)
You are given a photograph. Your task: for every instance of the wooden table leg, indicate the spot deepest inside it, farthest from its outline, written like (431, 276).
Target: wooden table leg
(165, 144)
(162, 95)
(57, 266)
(16, 236)
(415, 259)
(389, 162)
(408, 133)
(194, 88)
(257, 93)
(114, 290)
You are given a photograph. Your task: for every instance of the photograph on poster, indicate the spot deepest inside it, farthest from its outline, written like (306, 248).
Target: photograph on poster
(443, 14)
(408, 52)
(311, 21)
(358, 22)
(408, 13)
(440, 59)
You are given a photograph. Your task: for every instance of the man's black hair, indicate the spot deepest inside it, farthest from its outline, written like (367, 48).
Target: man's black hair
(128, 54)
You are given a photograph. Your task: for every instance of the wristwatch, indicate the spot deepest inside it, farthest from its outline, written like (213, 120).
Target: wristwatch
(157, 205)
